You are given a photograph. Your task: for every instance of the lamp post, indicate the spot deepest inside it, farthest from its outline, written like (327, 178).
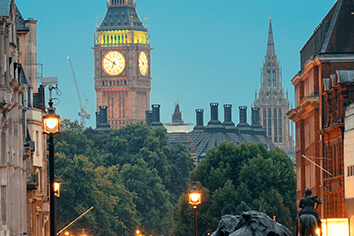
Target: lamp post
(195, 198)
(51, 127)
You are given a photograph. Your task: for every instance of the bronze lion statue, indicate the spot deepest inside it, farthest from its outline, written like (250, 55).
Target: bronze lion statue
(250, 223)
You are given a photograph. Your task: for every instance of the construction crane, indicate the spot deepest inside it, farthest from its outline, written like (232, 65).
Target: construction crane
(83, 113)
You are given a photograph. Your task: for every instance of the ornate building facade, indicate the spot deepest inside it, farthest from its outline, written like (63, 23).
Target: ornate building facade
(323, 90)
(122, 64)
(23, 163)
(271, 102)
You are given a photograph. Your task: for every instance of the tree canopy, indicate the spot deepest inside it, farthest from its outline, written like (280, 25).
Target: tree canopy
(240, 178)
(131, 176)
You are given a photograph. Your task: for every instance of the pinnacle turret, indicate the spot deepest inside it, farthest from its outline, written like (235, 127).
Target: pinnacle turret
(270, 45)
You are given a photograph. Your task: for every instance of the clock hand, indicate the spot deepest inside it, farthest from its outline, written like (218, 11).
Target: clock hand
(110, 61)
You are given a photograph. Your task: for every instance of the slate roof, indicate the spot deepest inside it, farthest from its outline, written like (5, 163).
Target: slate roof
(335, 33)
(345, 76)
(326, 83)
(5, 7)
(20, 22)
(340, 77)
(121, 18)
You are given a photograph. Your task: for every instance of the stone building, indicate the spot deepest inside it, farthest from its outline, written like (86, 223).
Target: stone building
(23, 190)
(177, 124)
(271, 102)
(323, 90)
(349, 166)
(337, 94)
(122, 64)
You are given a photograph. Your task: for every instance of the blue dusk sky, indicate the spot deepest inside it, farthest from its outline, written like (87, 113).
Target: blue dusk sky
(203, 51)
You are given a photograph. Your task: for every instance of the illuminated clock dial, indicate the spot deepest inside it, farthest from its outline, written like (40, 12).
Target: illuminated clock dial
(113, 63)
(143, 63)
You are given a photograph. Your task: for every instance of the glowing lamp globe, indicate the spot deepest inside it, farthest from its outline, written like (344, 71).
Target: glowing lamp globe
(195, 197)
(57, 185)
(51, 122)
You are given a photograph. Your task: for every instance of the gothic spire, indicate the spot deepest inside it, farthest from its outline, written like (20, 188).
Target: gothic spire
(270, 46)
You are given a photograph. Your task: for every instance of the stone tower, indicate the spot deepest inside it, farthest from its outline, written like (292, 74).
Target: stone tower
(122, 64)
(271, 102)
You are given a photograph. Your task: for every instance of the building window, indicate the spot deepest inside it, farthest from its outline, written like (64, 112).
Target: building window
(275, 139)
(269, 122)
(350, 171)
(268, 79)
(280, 139)
(264, 118)
(273, 79)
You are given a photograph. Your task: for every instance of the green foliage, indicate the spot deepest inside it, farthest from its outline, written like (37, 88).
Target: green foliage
(152, 199)
(241, 178)
(131, 177)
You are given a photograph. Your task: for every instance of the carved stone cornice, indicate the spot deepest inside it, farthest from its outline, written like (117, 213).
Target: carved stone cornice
(306, 105)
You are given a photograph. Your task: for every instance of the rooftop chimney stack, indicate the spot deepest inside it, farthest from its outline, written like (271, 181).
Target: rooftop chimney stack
(243, 114)
(227, 112)
(199, 119)
(227, 115)
(148, 117)
(214, 111)
(214, 120)
(255, 116)
(101, 119)
(156, 115)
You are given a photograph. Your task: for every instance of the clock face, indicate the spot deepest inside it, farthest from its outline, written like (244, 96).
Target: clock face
(113, 63)
(143, 63)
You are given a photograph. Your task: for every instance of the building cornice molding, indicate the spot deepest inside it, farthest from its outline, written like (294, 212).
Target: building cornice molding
(306, 105)
(334, 58)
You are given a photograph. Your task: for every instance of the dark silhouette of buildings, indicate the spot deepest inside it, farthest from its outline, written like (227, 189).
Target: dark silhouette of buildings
(202, 138)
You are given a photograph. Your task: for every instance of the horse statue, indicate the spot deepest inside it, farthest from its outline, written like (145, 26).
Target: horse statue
(250, 223)
(308, 225)
(309, 219)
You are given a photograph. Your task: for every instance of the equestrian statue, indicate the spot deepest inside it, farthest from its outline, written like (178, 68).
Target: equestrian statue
(309, 219)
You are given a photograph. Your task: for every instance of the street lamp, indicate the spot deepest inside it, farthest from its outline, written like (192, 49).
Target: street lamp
(51, 127)
(57, 185)
(195, 198)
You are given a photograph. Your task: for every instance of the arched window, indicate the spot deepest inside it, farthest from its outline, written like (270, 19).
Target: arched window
(264, 118)
(269, 122)
(268, 79)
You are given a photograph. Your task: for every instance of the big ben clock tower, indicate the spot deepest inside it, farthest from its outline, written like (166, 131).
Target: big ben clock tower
(122, 64)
